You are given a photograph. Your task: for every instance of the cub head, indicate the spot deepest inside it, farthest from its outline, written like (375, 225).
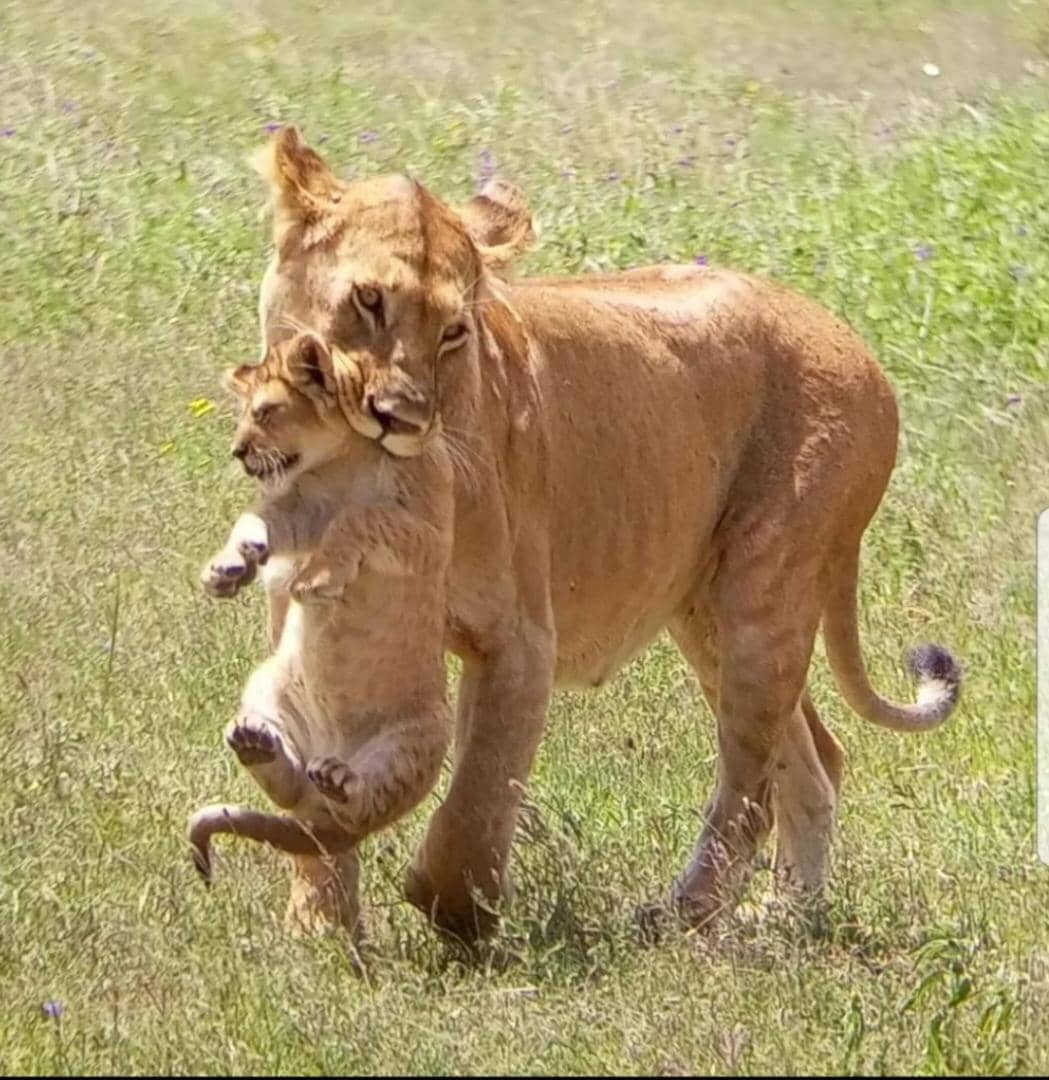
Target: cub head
(390, 277)
(291, 418)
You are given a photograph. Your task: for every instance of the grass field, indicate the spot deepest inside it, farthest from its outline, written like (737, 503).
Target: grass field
(804, 141)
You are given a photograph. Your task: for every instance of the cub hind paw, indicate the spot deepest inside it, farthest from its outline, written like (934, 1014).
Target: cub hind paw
(333, 778)
(255, 742)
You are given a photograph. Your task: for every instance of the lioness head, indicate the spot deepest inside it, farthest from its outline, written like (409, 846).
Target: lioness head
(387, 275)
(292, 417)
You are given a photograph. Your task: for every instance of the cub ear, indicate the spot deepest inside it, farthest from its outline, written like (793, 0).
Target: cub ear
(302, 185)
(499, 221)
(310, 364)
(238, 380)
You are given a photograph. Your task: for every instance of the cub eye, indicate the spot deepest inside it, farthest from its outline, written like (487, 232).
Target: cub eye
(369, 301)
(454, 335)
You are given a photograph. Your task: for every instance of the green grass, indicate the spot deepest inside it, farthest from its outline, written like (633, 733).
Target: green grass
(812, 148)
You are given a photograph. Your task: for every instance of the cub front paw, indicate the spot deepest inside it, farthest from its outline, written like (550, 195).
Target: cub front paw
(320, 580)
(237, 563)
(250, 538)
(226, 574)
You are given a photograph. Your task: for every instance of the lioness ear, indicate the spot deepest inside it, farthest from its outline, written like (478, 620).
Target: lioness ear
(499, 221)
(238, 380)
(310, 365)
(303, 186)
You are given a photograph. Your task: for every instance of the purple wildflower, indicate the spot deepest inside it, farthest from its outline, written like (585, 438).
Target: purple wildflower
(1017, 272)
(68, 106)
(323, 138)
(53, 1009)
(369, 136)
(613, 176)
(568, 174)
(923, 252)
(687, 161)
(885, 132)
(566, 129)
(1013, 400)
(701, 260)
(7, 132)
(272, 126)
(486, 166)
(677, 129)
(730, 142)
(1021, 230)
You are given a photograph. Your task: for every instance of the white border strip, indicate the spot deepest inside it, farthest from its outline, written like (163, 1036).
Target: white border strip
(1042, 622)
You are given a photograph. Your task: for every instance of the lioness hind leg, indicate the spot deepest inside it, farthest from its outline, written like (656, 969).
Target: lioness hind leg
(807, 781)
(754, 636)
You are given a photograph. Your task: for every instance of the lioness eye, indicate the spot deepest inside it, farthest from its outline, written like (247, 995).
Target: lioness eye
(261, 413)
(454, 334)
(369, 300)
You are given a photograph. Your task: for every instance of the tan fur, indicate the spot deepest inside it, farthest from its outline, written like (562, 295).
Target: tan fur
(346, 724)
(667, 447)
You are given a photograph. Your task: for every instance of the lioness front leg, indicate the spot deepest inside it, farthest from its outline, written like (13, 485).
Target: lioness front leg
(236, 565)
(260, 735)
(502, 712)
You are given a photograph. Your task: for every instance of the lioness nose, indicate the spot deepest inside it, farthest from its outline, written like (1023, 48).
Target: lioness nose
(239, 450)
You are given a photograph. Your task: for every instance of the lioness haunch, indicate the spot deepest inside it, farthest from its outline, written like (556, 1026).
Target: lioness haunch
(346, 724)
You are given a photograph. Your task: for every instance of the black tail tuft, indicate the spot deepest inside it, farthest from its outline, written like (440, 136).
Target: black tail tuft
(931, 662)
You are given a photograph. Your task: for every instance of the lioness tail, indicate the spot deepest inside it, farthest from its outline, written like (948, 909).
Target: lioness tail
(939, 675)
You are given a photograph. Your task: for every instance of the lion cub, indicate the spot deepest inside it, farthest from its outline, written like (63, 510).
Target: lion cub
(346, 724)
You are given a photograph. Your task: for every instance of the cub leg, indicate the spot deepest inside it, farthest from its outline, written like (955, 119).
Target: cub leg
(247, 548)
(273, 764)
(261, 739)
(388, 776)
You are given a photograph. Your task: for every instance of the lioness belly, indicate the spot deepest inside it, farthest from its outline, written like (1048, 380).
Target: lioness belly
(648, 412)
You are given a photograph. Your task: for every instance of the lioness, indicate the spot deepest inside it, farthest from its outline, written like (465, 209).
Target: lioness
(668, 447)
(347, 723)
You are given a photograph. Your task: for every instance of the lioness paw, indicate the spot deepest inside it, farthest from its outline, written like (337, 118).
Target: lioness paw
(254, 741)
(334, 779)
